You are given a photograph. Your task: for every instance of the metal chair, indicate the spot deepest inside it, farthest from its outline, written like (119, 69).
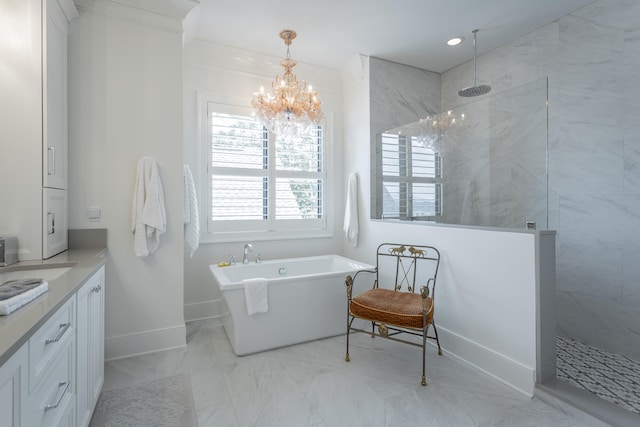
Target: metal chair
(392, 304)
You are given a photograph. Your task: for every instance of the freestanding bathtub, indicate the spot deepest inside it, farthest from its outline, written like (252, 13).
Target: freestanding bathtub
(307, 301)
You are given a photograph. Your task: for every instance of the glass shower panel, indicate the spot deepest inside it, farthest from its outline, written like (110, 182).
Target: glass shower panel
(489, 159)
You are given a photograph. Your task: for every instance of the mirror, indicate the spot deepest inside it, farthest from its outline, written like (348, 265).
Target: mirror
(482, 164)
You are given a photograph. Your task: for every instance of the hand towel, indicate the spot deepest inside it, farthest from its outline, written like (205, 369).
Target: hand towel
(190, 214)
(148, 216)
(351, 227)
(11, 304)
(256, 295)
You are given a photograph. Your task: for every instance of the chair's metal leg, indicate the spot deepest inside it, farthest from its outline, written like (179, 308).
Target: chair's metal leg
(349, 284)
(346, 358)
(373, 329)
(424, 355)
(435, 330)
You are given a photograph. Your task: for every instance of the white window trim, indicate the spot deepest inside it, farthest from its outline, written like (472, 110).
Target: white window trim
(235, 106)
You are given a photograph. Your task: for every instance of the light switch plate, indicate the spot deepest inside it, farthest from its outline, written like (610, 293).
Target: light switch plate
(94, 213)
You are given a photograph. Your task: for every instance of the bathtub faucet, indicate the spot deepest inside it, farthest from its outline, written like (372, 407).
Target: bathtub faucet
(248, 247)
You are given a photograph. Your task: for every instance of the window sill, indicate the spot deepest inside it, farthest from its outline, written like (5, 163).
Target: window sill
(258, 236)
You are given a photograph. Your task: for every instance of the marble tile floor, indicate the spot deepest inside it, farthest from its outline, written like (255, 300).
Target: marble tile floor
(610, 376)
(311, 385)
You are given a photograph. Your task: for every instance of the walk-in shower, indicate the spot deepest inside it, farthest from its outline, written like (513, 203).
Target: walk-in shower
(492, 163)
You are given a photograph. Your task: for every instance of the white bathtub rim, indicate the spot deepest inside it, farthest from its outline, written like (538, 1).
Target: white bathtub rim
(356, 266)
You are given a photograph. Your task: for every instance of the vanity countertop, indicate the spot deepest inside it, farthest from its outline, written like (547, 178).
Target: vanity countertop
(17, 327)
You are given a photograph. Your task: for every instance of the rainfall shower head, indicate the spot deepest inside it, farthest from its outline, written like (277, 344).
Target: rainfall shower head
(474, 90)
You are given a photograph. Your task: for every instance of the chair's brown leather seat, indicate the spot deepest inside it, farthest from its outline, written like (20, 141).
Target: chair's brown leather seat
(391, 307)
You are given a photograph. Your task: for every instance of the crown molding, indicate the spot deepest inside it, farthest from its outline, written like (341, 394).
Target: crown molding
(69, 9)
(163, 14)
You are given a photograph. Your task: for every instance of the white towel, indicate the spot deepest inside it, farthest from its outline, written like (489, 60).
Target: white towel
(11, 304)
(148, 216)
(190, 214)
(351, 227)
(256, 295)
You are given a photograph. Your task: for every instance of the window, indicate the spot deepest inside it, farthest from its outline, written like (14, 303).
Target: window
(262, 183)
(410, 179)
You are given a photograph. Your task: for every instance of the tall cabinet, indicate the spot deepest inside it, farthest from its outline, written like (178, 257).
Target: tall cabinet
(56, 17)
(33, 124)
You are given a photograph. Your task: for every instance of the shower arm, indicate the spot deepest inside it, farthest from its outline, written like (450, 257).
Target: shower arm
(475, 52)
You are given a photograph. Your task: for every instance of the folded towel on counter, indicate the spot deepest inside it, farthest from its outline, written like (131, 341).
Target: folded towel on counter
(11, 288)
(256, 295)
(16, 293)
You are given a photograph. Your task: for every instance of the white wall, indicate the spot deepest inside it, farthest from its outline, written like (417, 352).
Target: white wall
(125, 67)
(485, 297)
(230, 76)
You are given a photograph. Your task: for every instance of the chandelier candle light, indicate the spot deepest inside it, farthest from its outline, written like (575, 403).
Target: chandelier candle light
(293, 106)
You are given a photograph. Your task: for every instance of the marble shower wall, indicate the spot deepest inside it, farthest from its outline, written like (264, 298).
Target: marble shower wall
(399, 94)
(590, 57)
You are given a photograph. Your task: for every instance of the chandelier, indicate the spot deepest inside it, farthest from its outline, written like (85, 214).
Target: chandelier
(292, 107)
(432, 128)
(439, 123)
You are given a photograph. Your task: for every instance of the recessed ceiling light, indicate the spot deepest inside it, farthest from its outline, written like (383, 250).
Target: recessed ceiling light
(455, 41)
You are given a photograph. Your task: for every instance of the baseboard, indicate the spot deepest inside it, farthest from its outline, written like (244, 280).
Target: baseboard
(144, 342)
(204, 310)
(506, 370)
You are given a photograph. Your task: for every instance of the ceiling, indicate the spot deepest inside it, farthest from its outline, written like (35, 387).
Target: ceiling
(412, 32)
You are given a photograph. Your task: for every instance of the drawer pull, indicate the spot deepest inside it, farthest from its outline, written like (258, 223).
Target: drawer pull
(64, 384)
(51, 167)
(96, 289)
(51, 223)
(64, 327)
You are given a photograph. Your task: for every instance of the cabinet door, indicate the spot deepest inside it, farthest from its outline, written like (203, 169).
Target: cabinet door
(21, 124)
(13, 388)
(96, 359)
(54, 239)
(90, 344)
(55, 93)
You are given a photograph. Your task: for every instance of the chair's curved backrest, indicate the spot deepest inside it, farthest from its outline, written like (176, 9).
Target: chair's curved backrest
(407, 268)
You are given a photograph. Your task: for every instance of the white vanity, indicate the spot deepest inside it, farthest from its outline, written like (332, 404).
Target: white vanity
(52, 349)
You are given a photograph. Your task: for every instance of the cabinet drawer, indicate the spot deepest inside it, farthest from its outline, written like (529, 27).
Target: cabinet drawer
(54, 399)
(49, 341)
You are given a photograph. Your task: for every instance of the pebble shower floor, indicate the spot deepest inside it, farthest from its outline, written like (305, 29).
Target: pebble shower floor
(610, 376)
